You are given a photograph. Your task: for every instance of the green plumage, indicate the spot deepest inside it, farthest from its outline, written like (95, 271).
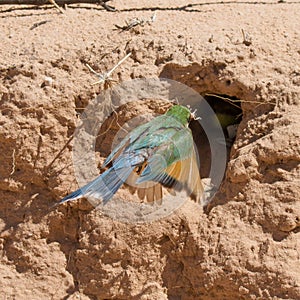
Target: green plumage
(160, 152)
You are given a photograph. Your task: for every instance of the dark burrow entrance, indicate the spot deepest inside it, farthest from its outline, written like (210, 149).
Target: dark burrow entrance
(229, 114)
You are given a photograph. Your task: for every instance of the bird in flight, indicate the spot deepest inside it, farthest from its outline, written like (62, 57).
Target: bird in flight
(154, 155)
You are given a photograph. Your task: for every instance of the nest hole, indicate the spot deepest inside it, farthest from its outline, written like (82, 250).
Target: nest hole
(228, 113)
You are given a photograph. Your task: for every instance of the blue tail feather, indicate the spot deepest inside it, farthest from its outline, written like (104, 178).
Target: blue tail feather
(75, 195)
(103, 187)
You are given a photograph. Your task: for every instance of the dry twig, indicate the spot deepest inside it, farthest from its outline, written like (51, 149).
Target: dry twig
(60, 152)
(35, 25)
(246, 38)
(103, 3)
(233, 101)
(13, 163)
(105, 78)
(135, 22)
(56, 6)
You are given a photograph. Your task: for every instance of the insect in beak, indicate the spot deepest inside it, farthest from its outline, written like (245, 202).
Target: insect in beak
(193, 115)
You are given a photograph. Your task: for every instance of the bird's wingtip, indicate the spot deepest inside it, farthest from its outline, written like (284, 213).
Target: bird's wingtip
(73, 196)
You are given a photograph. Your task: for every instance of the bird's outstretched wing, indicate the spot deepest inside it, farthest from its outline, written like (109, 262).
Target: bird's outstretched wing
(174, 165)
(158, 153)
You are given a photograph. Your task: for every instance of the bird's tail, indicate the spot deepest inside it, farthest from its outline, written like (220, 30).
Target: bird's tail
(73, 196)
(103, 187)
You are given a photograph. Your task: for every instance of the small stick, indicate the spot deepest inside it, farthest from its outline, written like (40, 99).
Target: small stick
(106, 6)
(109, 127)
(105, 77)
(60, 152)
(103, 3)
(13, 163)
(56, 6)
(110, 124)
(35, 25)
(232, 101)
(135, 22)
(246, 38)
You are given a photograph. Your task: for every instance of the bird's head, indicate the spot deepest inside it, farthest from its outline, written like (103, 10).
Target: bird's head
(183, 114)
(180, 113)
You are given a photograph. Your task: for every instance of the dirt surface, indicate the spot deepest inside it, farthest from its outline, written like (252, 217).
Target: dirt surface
(243, 245)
